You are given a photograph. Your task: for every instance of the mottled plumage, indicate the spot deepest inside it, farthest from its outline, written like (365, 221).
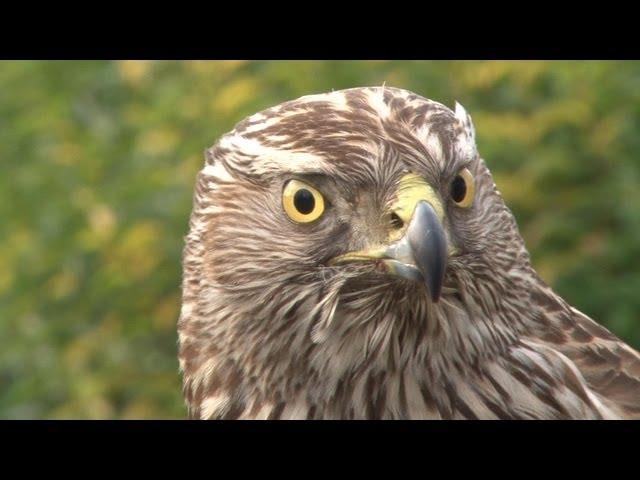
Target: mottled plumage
(272, 326)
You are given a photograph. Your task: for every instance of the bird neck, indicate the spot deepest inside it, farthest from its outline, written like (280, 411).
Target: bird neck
(312, 354)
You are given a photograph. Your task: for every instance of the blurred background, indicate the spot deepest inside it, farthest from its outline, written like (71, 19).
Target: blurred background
(98, 162)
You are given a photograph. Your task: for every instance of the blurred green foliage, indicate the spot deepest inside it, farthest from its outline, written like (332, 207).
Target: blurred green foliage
(98, 165)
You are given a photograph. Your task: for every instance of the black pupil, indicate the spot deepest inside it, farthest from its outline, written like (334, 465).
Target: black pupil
(458, 189)
(304, 201)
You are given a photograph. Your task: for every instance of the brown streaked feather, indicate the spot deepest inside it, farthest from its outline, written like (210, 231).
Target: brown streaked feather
(610, 367)
(268, 330)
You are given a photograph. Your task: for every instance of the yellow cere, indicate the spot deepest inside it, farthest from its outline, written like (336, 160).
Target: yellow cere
(411, 190)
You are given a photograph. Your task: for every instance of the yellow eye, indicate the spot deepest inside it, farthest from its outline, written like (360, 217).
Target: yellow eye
(302, 202)
(463, 189)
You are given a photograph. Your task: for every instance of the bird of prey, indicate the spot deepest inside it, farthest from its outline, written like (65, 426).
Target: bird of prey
(350, 257)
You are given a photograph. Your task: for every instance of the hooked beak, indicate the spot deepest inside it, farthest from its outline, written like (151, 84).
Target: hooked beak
(419, 255)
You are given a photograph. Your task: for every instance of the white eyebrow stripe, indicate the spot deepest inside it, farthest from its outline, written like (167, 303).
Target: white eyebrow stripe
(274, 159)
(217, 171)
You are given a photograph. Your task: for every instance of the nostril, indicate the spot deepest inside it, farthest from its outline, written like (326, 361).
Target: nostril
(396, 221)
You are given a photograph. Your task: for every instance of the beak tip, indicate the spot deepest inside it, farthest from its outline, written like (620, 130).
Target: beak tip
(434, 288)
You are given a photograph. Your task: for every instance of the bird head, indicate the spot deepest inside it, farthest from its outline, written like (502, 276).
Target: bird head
(362, 217)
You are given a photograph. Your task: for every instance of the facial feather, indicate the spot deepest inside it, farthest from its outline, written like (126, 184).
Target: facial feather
(269, 329)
